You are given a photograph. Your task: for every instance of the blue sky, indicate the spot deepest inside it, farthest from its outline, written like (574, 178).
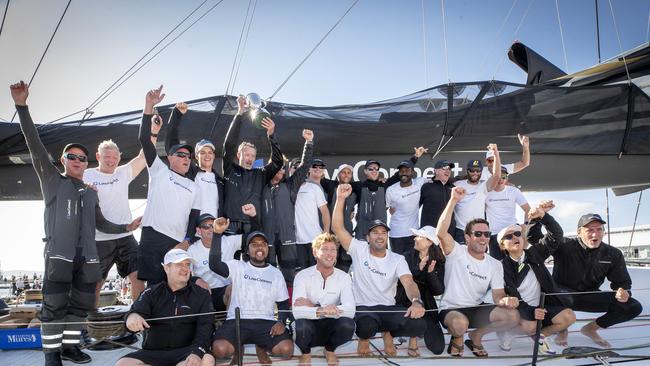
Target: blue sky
(377, 52)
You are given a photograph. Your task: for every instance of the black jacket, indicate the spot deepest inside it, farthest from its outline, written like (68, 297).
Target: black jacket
(535, 257)
(430, 284)
(433, 200)
(159, 301)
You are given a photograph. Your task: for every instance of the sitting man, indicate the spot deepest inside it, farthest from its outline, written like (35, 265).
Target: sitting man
(257, 288)
(377, 271)
(323, 303)
(175, 341)
(594, 260)
(469, 274)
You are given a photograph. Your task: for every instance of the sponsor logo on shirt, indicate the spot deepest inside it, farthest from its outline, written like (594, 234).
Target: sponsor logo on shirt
(497, 199)
(410, 194)
(180, 185)
(208, 180)
(251, 278)
(112, 181)
(373, 270)
(474, 274)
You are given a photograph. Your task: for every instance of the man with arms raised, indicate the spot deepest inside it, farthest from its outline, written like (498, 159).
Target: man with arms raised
(512, 167)
(595, 261)
(323, 303)
(469, 274)
(376, 272)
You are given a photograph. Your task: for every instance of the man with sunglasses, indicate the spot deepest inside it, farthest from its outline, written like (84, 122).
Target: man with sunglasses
(435, 195)
(202, 171)
(469, 274)
(173, 199)
(512, 167)
(500, 206)
(72, 214)
(472, 206)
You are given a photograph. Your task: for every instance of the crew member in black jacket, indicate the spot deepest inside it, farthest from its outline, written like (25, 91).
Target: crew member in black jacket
(582, 264)
(526, 276)
(174, 340)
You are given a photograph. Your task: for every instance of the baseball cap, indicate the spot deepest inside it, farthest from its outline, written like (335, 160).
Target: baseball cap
(504, 170)
(203, 217)
(294, 163)
(203, 143)
(509, 228)
(443, 163)
(428, 232)
(585, 219)
(345, 166)
(489, 154)
(405, 164)
(376, 223)
(372, 161)
(77, 145)
(175, 148)
(252, 235)
(317, 162)
(176, 256)
(474, 164)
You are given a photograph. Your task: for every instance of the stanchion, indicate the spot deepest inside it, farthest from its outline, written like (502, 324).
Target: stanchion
(238, 351)
(542, 300)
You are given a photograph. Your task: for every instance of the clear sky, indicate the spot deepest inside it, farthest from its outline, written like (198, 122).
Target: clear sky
(377, 52)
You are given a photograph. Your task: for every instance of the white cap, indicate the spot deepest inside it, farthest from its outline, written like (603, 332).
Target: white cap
(489, 154)
(176, 256)
(509, 228)
(428, 232)
(345, 166)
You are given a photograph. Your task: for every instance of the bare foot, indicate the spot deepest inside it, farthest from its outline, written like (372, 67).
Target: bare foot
(363, 347)
(476, 339)
(331, 358)
(413, 350)
(304, 360)
(562, 338)
(591, 331)
(263, 356)
(389, 346)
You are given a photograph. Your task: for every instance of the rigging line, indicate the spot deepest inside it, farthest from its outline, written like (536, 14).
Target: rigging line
(424, 48)
(96, 101)
(444, 38)
(46, 49)
(559, 23)
(636, 215)
(250, 23)
(496, 37)
(313, 49)
(597, 29)
(5, 16)
(159, 51)
(647, 30)
(620, 45)
(521, 22)
(241, 36)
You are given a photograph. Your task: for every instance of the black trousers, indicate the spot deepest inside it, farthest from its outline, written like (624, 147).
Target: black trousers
(401, 245)
(328, 332)
(151, 251)
(373, 319)
(615, 312)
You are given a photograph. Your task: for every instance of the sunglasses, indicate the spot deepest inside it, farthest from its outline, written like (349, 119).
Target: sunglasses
(71, 156)
(206, 226)
(372, 169)
(474, 170)
(511, 235)
(477, 234)
(317, 167)
(446, 167)
(181, 154)
(504, 176)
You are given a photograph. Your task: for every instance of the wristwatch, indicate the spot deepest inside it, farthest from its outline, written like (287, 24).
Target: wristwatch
(416, 299)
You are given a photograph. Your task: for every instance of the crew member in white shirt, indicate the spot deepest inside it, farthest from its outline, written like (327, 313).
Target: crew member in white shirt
(469, 275)
(323, 303)
(376, 272)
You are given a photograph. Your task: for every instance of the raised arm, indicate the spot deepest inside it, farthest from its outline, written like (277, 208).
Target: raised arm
(153, 97)
(171, 138)
(549, 243)
(446, 240)
(300, 175)
(215, 262)
(525, 154)
(230, 142)
(277, 161)
(343, 191)
(414, 159)
(494, 179)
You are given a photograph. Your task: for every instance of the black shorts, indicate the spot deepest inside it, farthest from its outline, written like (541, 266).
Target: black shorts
(252, 331)
(478, 316)
(122, 251)
(151, 251)
(389, 317)
(551, 312)
(161, 357)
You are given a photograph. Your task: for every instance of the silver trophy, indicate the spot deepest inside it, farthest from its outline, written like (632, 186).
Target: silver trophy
(256, 109)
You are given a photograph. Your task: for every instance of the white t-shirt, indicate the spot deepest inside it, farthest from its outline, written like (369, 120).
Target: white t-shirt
(467, 279)
(207, 183)
(500, 207)
(255, 290)
(336, 290)
(406, 202)
(201, 255)
(375, 279)
(170, 199)
(472, 206)
(486, 174)
(113, 192)
(310, 198)
(530, 289)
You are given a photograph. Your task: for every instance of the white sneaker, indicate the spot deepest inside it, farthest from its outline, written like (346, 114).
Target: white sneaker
(505, 341)
(544, 347)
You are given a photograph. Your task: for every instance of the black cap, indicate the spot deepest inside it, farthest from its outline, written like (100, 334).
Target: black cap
(474, 164)
(177, 147)
(317, 162)
(405, 164)
(585, 219)
(443, 163)
(252, 235)
(77, 145)
(504, 169)
(203, 217)
(376, 223)
(372, 161)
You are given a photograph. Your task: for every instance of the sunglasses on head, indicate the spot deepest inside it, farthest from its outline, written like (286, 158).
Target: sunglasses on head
(71, 156)
(206, 226)
(511, 235)
(477, 234)
(181, 154)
